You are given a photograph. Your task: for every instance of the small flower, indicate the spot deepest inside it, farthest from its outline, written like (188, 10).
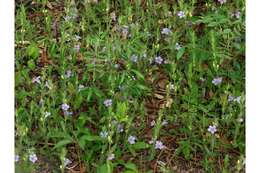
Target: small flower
(158, 60)
(166, 31)
(120, 128)
(152, 123)
(77, 37)
(230, 98)
(240, 120)
(77, 47)
(134, 58)
(125, 30)
(217, 81)
(48, 85)
(237, 99)
(111, 156)
(236, 14)
(222, 1)
(171, 86)
(165, 122)
(181, 14)
(177, 46)
(81, 87)
(16, 158)
(131, 139)
(46, 114)
(151, 142)
(67, 161)
(113, 16)
(33, 158)
(108, 102)
(68, 113)
(212, 129)
(68, 74)
(103, 134)
(37, 80)
(65, 107)
(116, 66)
(159, 145)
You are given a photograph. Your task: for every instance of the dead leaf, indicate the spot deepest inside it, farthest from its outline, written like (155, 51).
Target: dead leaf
(44, 59)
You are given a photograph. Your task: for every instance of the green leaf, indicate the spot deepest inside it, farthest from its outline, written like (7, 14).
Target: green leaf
(31, 64)
(33, 51)
(140, 145)
(180, 53)
(63, 143)
(138, 74)
(105, 168)
(131, 166)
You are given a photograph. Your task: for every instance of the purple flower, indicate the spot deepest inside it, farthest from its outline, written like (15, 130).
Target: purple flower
(237, 99)
(65, 106)
(111, 156)
(158, 60)
(108, 102)
(131, 139)
(77, 47)
(212, 129)
(16, 158)
(159, 145)
(230, 98)
(67, 113)
(236, 14)
(33, 158)
(166, 31)
(222, 1)
(181, 14)
(217, 81)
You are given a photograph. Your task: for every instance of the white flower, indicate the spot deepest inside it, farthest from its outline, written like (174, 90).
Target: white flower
(108, 102)
(103, 134)
(171, 85)
(177, 46)
(159, 145)
(230, 98)
(68, 74)
(48, 85)
(151, 142)
(165, 122)
(134, 58)
(47, 114)
(67, 161)
(237, 99)
(111, 156)
(222, 1)
(65, 107)
(240, 120)
(212, 129)
(166, 31)
(81, 87)
(217, 81)
(131, 139)
(77, 37)
(181, 14)
(158, 60)
(16, 158)
(120, 128)
(33, 158)
(152, 123)
(37, 80)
